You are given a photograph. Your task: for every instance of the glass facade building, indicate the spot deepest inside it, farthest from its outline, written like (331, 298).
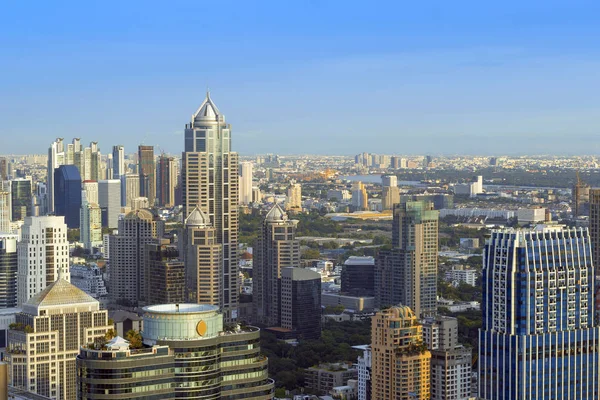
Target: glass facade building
(67, 194)
(538, 339)
(8, 270)
(21, 196)
(358, 276)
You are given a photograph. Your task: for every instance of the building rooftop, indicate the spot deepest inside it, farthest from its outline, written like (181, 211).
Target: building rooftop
(356, 260)
(197, 218)
(59, 293)
(276, 214)
(186, 308)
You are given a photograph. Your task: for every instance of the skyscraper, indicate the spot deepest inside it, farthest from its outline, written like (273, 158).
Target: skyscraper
(3, 169)
(360, 198)
(48, 335)
(390, 192)
(90, 220)
(245, 183)
(203, 260)
(127, 268)
(109, 200)
(165, 274)
(294, 197)
(301, 302)
(400, 361)
(210, 182)
(8, 270)
(20, 198)
(5, 211)
(43, 253)
(594, 221)
(166, 180)
(538, 338)
(146, 172)
(67, 194)
(276, 248)
(56, 158)
(130, 184)
(118, 159)
(407, 274)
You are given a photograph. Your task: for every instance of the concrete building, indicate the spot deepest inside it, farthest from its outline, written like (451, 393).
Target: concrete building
(594, 228)
(43, 255)
(166, 180)
(126, 248)
(364, 372)
(89, 279)
(130, 187)
(165, 274)
(407, 274)
(301, 302)
(339, 195)
(90, 224)
(294, 197)
(8, 270)
(531, 215)
(203, 260)
(400, 360)
(350, 303)
(210, 182)
(325, 377)
(360, 199)
(458, 274)
(5, 211)
(109, 200)
(50, 330)
(538, 316)
(245, 183)
(581, 197)
(276, 248)
(146, 171)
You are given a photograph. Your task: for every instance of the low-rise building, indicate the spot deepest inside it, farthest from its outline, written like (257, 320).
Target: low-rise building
(325, 377)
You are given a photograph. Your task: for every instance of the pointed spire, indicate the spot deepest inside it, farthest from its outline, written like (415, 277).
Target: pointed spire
(207, 111)
(197, 218)
(276, 214)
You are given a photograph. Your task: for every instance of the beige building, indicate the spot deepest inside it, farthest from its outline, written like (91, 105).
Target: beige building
(400, 359)
(390, 195)
(594, 213)
(360, 198)
(47, 336)
(294, 197)
(126, 248)
(209, 181)
(276, 248)
(203, 260)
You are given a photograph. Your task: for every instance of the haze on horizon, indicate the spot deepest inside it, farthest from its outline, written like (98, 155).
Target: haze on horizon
(315, 77)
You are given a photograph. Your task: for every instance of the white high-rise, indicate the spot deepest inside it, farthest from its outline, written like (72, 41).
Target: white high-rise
(109, 199)
(56, 158)
(246, 183)
(118, 160)
(4, 211)
(42, 252)
(90, 223)
(90, 189)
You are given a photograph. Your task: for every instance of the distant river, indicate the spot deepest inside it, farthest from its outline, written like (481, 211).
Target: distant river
(376, 178)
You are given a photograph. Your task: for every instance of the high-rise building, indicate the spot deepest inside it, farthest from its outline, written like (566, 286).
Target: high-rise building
(581, 197)
(276, 248)
(538, 338)
(5, 211)
(146, 171)
(109, 200)
(360, 198)
(210, 182)
(20, 198)
(363, 364)
(294, 197)
(4, 169)
(118, 162)
(130, 184)
(245, 183)
(8, 270)
(166, 180)
(594, 221)
(407, 274)
(358, 276)
(165, 274)
(90, 189)
(390, 193)
(203, 260)
(450, 362)
(400, 359)
(47, 338)
(56, 158)
(301, 302)
(127, 269)
(90, 228)
(43, 254)
(67, 194)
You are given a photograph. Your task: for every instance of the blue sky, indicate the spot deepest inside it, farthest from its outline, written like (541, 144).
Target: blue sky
(319, 77)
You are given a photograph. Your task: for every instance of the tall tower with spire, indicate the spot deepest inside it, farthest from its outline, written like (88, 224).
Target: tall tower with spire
(209, 181)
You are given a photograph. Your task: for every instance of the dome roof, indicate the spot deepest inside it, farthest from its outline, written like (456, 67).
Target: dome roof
(140, 214)
(197, 218)
(403, 312)
(276, 214)
(207, 111)
(59, 293)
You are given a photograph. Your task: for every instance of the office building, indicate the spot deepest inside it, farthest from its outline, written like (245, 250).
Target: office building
(358, 276)
(67, 194)
(400, 360)
(210, 181)
(360, 199)
(245, 183)
(203, 260)
(594, 227)
(363, 365)
(146, 172)
(166, 180)
(294, 197)
(276, 248)
(89, 279)
(90, 189)
(8, 270)
(323, 378)
(407, 274)
(213, 362)
(301, 302)
(118, 162)
(165, 274)
(581, 197)
(20, 198)
(538, 339)
(458, 275)
(109, 200)
(56, 158)
(4, 169)
(126, 250)
(47, 338)
(43, 254)
(101, 372)
(130, 185)
(390, 192)
(5, 211)
(90, 223)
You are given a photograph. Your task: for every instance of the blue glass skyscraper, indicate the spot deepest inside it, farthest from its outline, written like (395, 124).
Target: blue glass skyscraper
(538, 339)
(67, 194)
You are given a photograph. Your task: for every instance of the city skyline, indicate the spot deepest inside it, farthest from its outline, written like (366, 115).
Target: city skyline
(437, 79)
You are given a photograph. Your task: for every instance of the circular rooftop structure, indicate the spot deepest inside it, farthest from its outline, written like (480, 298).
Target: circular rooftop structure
(186, 308)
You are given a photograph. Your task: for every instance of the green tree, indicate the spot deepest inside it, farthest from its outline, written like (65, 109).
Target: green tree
(311, 254)
(134, 338)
